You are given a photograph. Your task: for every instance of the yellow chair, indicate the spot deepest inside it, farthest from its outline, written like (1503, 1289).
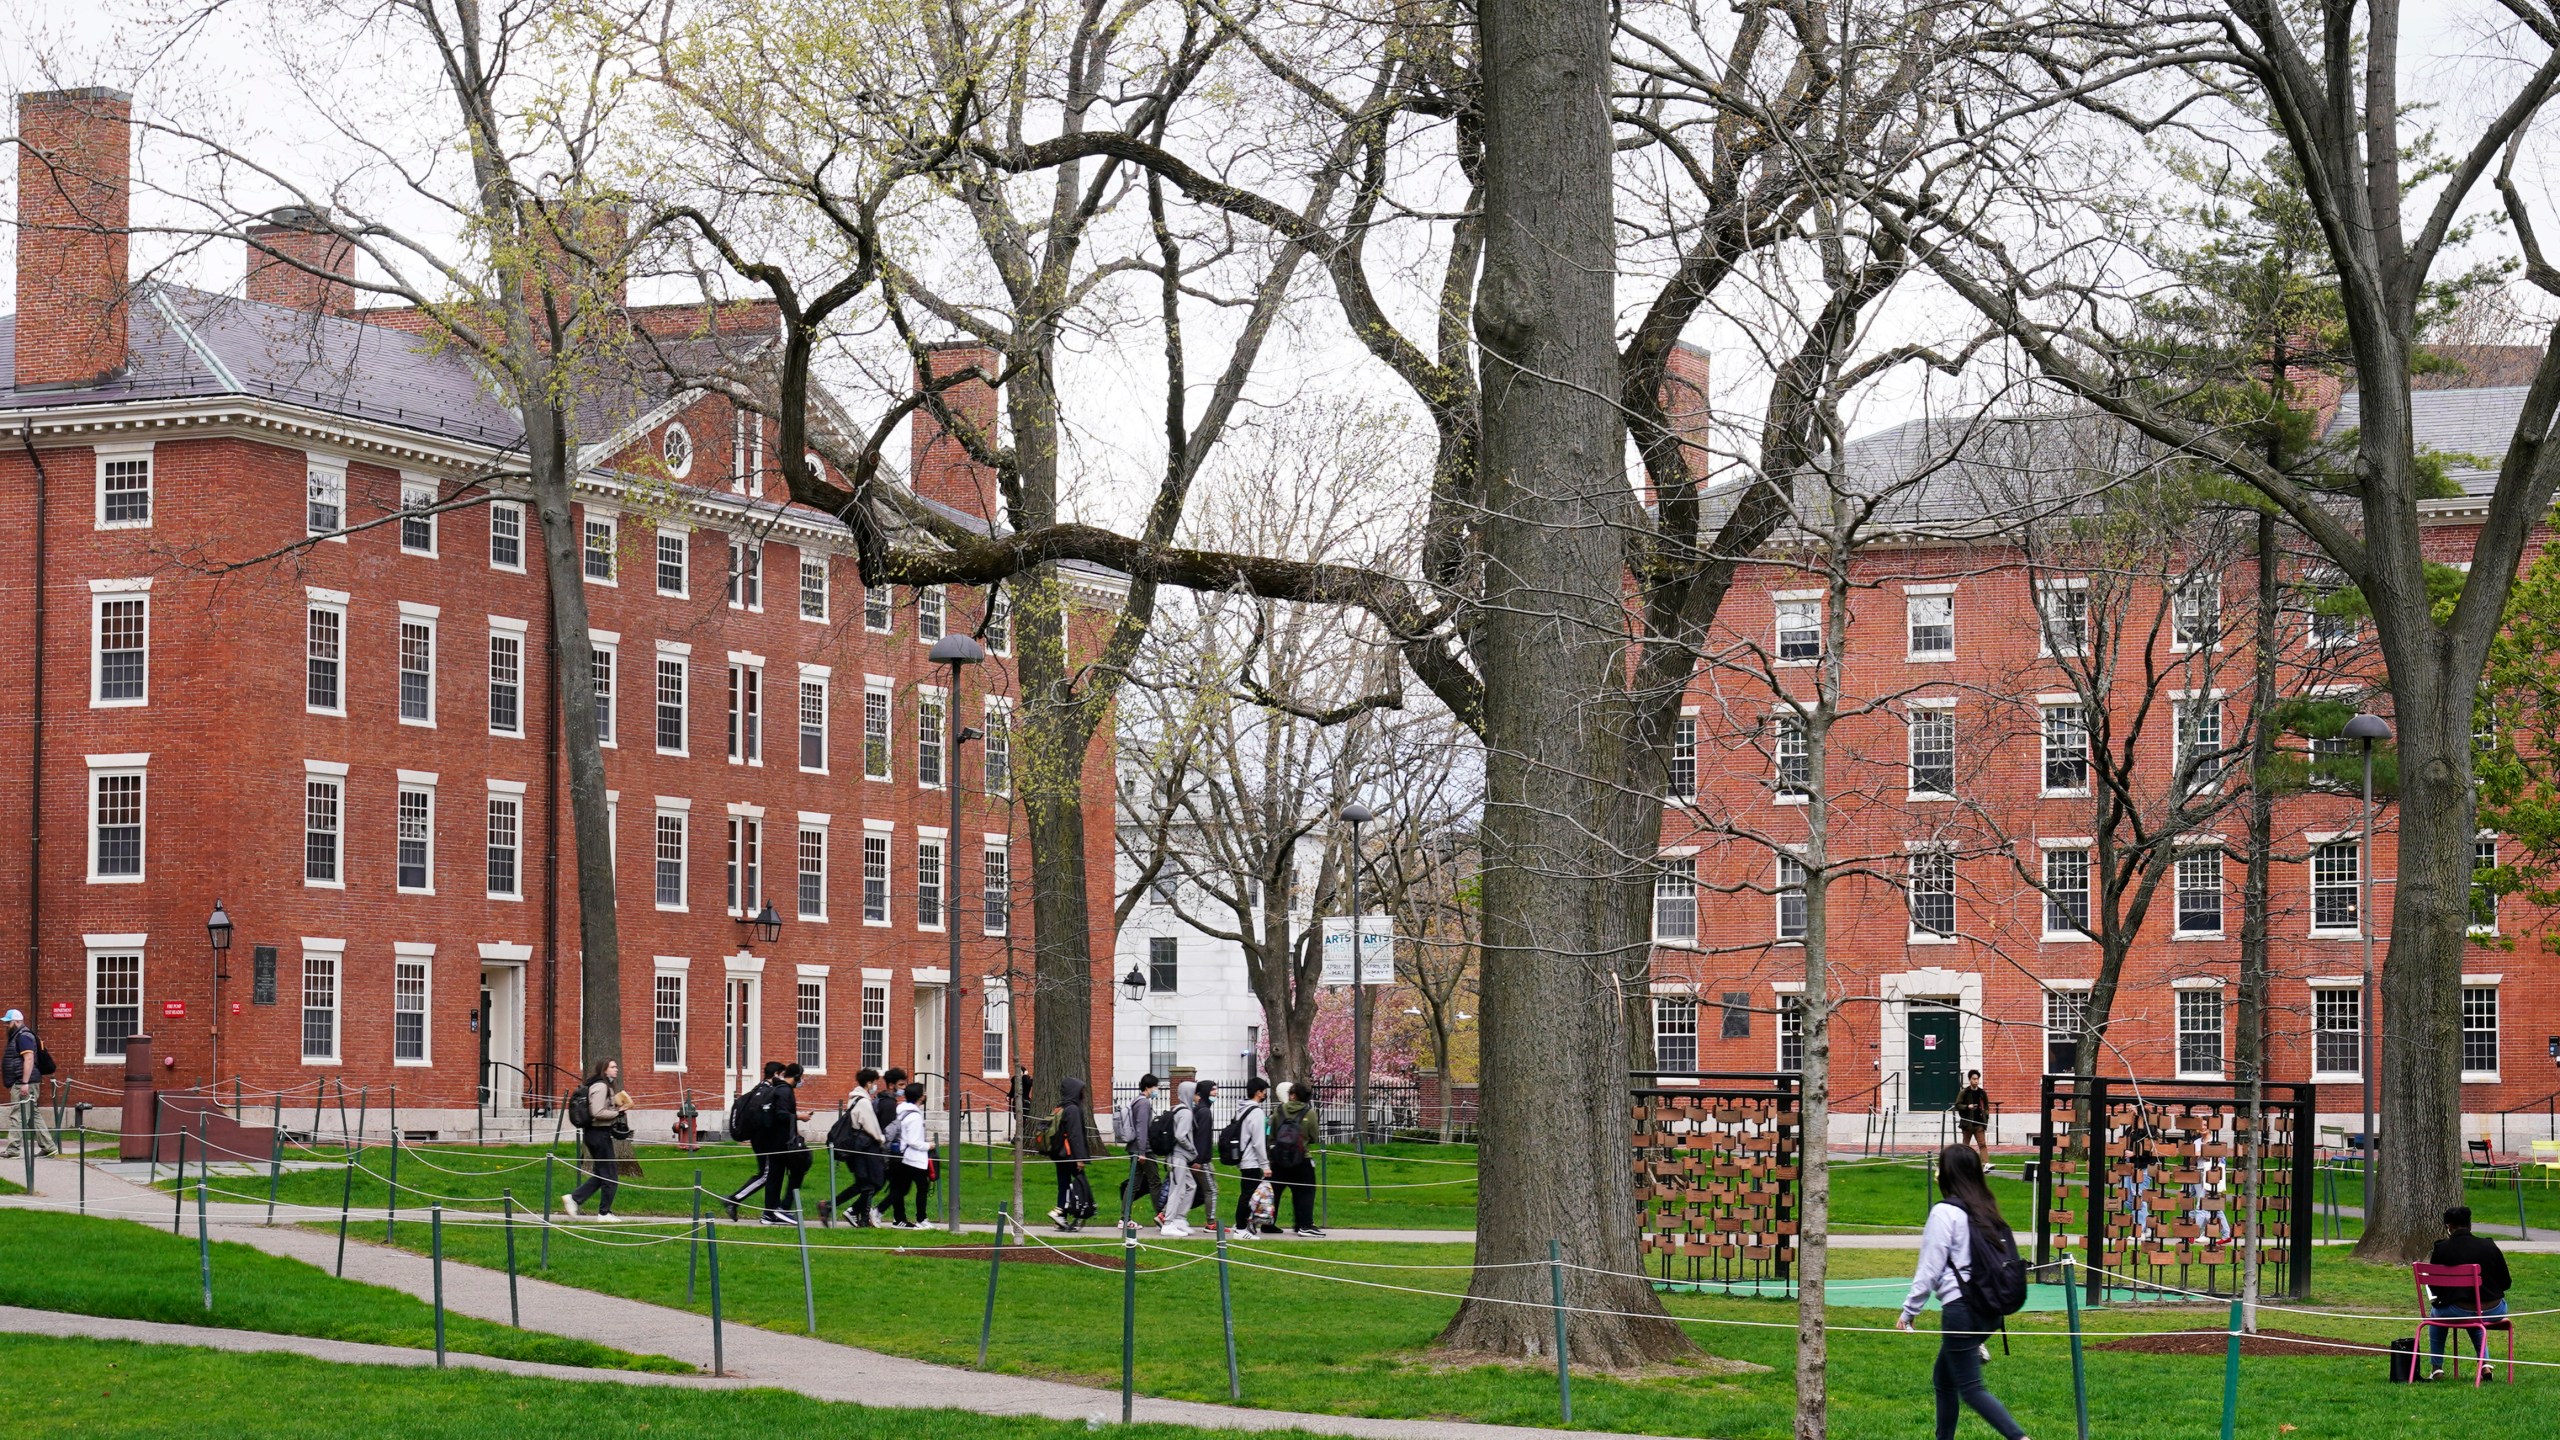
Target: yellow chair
(2546, 1155)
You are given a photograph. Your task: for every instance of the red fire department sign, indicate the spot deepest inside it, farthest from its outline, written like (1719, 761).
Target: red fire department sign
(61, 1009)
(235, 1007)
(173, 1009)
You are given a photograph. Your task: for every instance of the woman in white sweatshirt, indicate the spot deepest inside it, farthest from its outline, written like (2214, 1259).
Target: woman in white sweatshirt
(914, 1175)
(1946, 1247)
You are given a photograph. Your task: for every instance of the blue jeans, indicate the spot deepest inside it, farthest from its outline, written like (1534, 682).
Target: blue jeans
(2454, 1310)
(1958, 1374)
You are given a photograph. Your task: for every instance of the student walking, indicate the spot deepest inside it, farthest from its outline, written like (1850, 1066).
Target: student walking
(604, 1109)
(911, 1176)
(1947, 1253)
(1131, 1125)
(1253, 1154)
(22, 1062)
(1293, 1163)
(1069, 1153)
(753, 1112)
(1973, 1114)
(789, 1165)
(2456, 1302)
(1193, 1137)
(859, 1141)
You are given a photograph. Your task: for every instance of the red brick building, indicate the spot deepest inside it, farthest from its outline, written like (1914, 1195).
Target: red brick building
(354, 748)
(1964, 824)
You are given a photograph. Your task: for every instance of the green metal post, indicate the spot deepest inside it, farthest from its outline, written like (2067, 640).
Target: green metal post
(1227, 1311)
(275, 1162)
(995, 1267)
(204, 1247)
(178, 1210)
(711, 1248)
(2231, 1377)
(546, 1214)
(507, 1200)
(693, 1237)
(1564, 1357)
(1128, 1321)
(2523, 1230)
(435, 1255)
(808, 1290)
(2079, 1367)
(391, 1216)
(346, 1198)
(1324, 1189)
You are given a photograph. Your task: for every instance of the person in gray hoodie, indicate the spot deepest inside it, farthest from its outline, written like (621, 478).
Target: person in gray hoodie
(1135, 1120)
(1188, 1156)
(1253, 1153)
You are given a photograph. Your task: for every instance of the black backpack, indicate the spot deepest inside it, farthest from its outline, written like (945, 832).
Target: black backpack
(44, 1061)
(1994, 1284)
(842, 1138)
(1288, 1140)
(1231, 1139)
(751, 1113)
(580, 1113)
(1160, 1131)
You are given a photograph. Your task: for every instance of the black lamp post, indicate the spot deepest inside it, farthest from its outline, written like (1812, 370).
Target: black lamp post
(2366, 729)
(217, 934)
(955, 650)
(1358, 815)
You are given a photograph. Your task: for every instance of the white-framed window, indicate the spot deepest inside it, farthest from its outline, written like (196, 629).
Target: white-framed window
(2066, 893)
(746, 575)
(506, 535)
(2334, 623)
(746, 452)
(813, 586)
(1164, 965)
(319, 1004)
(875, 873)
(745, 868)
(995, 1022)
(997, 746)
(2195, 613)
(995, 886)
(929, 614)
(1675, 1032)
(746, 711)
(1675, 899)
(116, 803)
(1791, 897)
(2199, 736)
(2479, 1034)
(324, 794)
(875, 1023)
(666, 1019)
(876, 702)
(667, 852)
(812, 889)
(115, 997)
(324, 646)
(809, 1024)
(417, 517)
(2062, 607)
(1931, 735)
(1793, 751)
(2484, 900)
(417, 662)
(1790, 1005)
(999, 621)
(930, 719)
(506, 845)
(1929, 622)
(1933, 895)
(675, 561)
(414, 857)
(506, 677)
(124, 488)
(932, 848)
(2335, 899)
(675, 449)
(1799, 624)
(2200, 1011)
(2066, 1015)
(119, 643)
(879, 609)
(670, 702)
(601, 547)
(1680, 778)
(412, 993)
(604, 658)
(2200, 891)
(327, 511)
(2066, 749)
(813, 721)
(1164, 1045)
(2337, 1032)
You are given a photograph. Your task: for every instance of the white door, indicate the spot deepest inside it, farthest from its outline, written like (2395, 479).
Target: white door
(741, 1048)
(928, 1066)
(502, 1034)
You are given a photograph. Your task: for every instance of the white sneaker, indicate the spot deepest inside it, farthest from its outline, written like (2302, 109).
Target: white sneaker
(609, 1218)
(1242, 1235)
(569, 1206)
(1174, 1230)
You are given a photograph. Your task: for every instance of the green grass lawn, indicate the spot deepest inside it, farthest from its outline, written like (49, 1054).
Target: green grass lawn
(94, 1266)
(111, 1388)
(1312, 1336)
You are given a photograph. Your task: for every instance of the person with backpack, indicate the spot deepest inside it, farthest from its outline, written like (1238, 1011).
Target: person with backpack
(1293, 1161)
(23, 1065)
(859, 1141)
(1969, 1260)
(593, 1111)
(790, 1161)
(1246, 1144)
(751, 1118)
(1973, 1114)
(912, 1175)
(1194, 1138)
(1062, 1140)
(1131, 1126)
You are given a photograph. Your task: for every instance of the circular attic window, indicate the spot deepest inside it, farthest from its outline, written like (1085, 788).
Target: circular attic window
(676, 448)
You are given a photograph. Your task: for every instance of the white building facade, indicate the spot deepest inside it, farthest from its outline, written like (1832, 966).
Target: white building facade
(1196, 1008)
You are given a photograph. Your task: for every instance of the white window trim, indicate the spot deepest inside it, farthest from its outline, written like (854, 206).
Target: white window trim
(996, 993)
(940, 839)
(128, 450)
(680, 807)
(2044, 758)
(2311, 884)
(2177, 1035)
(824, 825)
(2087, 848)
(334, 601)
(826, 586)
(1913, 934)
(414, 780)
(326, 464)
(682, 654)
(887, 830)
(2176, 594)
(1924, 702)
(1781, 598)
(508, 625)
(683, 536)
(1928, 657)
(102, 593)
(2337, 982)
(806, 974)
(612, 518)
(101, 945)
(132, 764)
(609, 642)
(927, 695)
(1780, 719)
(2044, 628)
(424, 953)
(515, 790)
(523, 535)
(2186, 843)
(887, 690)
(680, 966)
(336, 772)
(2495, 982)
(1778, 894)
(411, 483)
(414, 613)
(336, 950)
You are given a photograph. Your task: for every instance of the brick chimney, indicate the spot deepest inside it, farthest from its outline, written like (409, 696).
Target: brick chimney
(940, 466)
(297, 261)
(1684, 403)
(75, 169)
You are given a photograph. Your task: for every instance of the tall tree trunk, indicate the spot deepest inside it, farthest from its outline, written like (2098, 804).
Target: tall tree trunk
(1052, 786)
(1813, 1192)
(1551, 640)
(2253, 891)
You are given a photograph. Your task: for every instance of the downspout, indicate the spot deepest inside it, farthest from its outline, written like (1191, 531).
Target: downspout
(35, 750)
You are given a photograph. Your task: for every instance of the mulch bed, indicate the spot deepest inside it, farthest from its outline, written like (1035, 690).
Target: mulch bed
(2217, 1342)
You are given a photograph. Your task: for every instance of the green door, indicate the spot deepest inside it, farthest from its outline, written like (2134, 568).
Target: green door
(1937, 1057)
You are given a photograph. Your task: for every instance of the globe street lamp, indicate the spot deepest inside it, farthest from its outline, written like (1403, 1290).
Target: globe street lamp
(2366, 729)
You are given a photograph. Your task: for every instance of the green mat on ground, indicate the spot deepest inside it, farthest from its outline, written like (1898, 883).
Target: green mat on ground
(1882, 1294)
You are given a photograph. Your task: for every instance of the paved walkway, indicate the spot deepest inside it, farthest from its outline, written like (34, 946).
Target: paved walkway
(816, 1368)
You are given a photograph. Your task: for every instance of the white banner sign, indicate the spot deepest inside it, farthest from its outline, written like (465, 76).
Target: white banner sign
(1377, 950)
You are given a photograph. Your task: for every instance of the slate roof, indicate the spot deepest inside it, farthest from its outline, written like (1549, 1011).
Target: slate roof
(2476, 423)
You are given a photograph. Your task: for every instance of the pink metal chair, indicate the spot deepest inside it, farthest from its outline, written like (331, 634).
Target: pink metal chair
(2429, 1279)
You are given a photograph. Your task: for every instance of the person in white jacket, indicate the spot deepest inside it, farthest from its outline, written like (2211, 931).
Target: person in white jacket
(914, 1174)
(1946, 1245)
(1253, 1154)
(1195, 1141)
